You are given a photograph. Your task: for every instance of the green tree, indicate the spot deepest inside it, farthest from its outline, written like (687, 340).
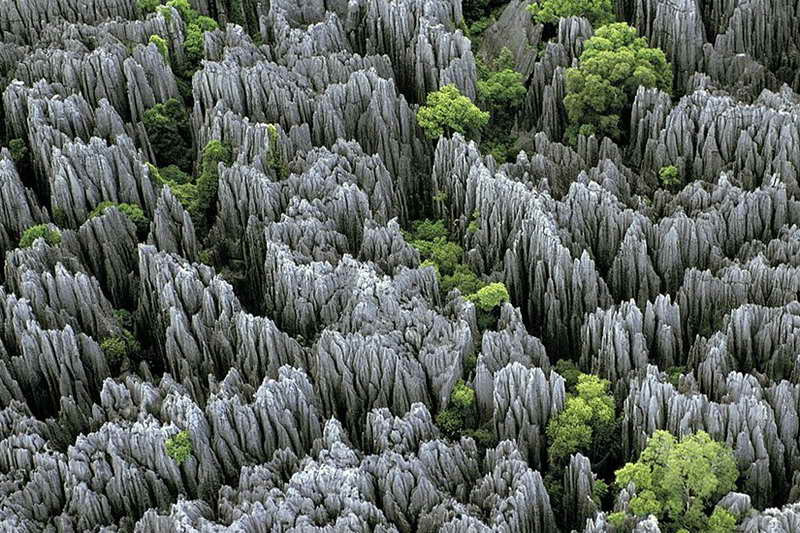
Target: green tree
(613, 65)
(428, 230)
(502, 91)
(167, 127)
(194, 39)
(51, 236)
(463, 278)
(721, 521)
(488, 300)
(120, 347)
(586, 423)
(448, 111)
(445, 254)
(187, 13)
(205, 205)
(132, 211)
(179, 446)
(598, 12)
(679, 481)
(18, 149)
(669, 176)
(567, 370)
(148, 6)
(161, 44)
(490, 297)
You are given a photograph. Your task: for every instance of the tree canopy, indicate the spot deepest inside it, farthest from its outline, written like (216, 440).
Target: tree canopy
(586, 423)
(598, 12)
(613, 65)
(679, 481)
(29, 236)
(448, 111)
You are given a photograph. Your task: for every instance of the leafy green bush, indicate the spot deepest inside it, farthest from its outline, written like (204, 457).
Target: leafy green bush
(613, 65)
(18, 149)
(204, 207)
(148, 6)
(120, 347)
(678, 482)
(490, 297)
(132, 211)
(669, 176)
(428, 230)
(161, 44)
(167, 127)
(179, 446)
(567, 370)
(598, 12)
(463, 279)
(51, 236)
(502, 91)
(194, 38)
(187, 13)
(460, 412)
(275, 161)
(172, 174)
(448, 111)
(585, 424)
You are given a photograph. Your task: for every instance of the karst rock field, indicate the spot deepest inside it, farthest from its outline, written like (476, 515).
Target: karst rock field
(398, 266)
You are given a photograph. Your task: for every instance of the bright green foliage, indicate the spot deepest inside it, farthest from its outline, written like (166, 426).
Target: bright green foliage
(599, 492)
(167, 128)
(188, 14)
(669, 176)
(679, 481)
(428, 230)
(148, 6)
(463, 278)
(721, 521)
(585, 423)
(194, 38)
(173, 174)
(446, 254)
(502, 91)
(598, 12)
(179, 183)
(567, 370)
(448, 111)
(132, 211)
(459, 413)
(674, 374)
(161, 44)
(205, 204)
(18, 149)
(614, 63)
(51, 236)
(490, 297)
(120, 347)
(179, 446)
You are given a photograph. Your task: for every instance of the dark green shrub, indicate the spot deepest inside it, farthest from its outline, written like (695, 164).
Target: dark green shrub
(669, 176)
(51, 236)
(460, 413)
(167, 127)
(120, 347)
(148, 6)
(598, 12)
(132, 211)
(179, 446)
(204, 208)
